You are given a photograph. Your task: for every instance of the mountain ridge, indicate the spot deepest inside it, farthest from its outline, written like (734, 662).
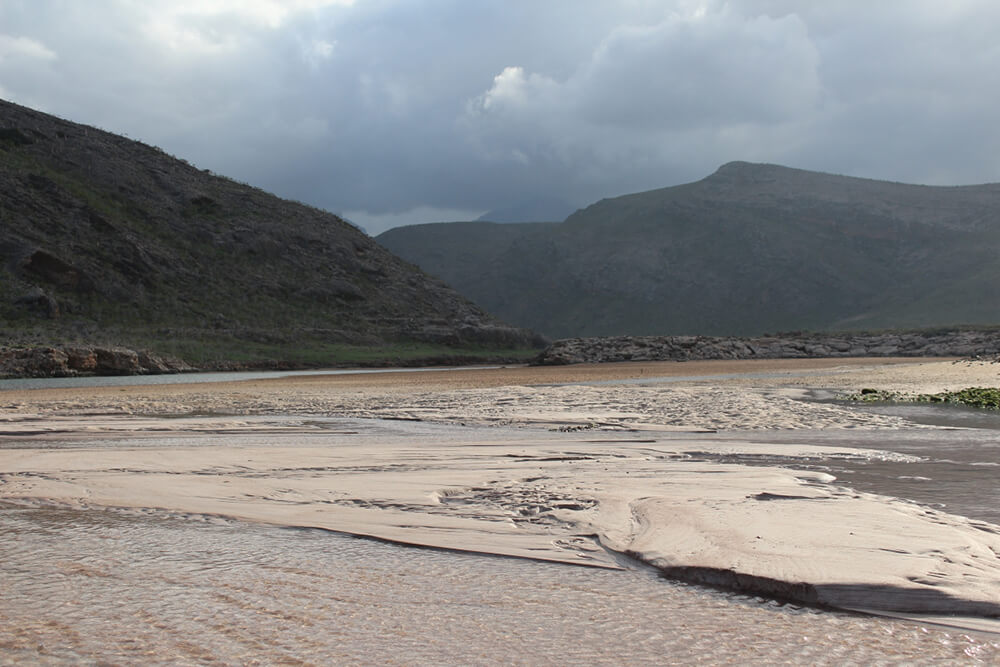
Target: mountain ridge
(750, 248)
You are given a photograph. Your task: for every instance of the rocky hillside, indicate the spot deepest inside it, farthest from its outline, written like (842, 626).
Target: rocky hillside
(107, 240)
(750, 249)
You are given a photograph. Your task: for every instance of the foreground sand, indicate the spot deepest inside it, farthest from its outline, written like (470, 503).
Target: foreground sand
(515, 461)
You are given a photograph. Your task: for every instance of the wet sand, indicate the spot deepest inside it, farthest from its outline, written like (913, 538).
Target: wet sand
(156, 588)
(570, 464)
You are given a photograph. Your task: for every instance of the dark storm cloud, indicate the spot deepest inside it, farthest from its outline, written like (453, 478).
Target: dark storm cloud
(376, 107)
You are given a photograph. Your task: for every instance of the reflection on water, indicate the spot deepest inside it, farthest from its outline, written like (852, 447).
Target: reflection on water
(150, 588)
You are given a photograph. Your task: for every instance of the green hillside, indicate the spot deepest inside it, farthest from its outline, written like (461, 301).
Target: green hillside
(108, 240)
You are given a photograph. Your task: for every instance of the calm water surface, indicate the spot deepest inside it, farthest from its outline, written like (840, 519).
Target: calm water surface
(196, 378)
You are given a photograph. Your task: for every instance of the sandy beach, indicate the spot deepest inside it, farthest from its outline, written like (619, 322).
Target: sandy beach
(577, 464)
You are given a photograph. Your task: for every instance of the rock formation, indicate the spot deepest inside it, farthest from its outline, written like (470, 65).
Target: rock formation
(956, 343)
(38, 362)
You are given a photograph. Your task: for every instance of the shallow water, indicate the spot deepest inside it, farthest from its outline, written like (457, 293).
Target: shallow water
(958, 416)
(958, 469)
(89, 587)
(196, 378)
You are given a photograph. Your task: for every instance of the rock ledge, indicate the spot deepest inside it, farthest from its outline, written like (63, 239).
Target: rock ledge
(38, 362)
(956, 343)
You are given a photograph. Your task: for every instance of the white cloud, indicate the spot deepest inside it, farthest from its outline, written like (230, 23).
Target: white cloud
(699, 70)
(650, 102)
(266, 13)
(200, 27)
(691, 70)
(386, 106)
(814, 85)
(513, 90)
(15, 48)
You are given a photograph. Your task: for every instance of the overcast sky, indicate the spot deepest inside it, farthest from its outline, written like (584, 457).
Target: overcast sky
(403, 111)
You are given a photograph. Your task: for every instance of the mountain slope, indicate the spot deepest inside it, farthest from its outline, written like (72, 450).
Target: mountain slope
(750, 249)
(107, 239)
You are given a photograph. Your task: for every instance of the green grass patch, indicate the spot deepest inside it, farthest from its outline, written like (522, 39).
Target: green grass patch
(227, 352)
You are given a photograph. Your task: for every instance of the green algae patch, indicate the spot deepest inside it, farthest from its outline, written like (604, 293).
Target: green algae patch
(975, 397)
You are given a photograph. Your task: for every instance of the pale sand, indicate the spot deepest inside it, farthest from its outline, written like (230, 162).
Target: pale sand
(609, 461)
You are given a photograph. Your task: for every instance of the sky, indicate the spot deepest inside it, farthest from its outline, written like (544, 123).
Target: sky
(394, 112)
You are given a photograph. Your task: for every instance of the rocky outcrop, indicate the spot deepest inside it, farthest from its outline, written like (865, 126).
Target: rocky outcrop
(955, 343)
(74, 361)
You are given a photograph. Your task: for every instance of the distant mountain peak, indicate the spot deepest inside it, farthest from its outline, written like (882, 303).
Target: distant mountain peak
(751, 172)
(739, 166)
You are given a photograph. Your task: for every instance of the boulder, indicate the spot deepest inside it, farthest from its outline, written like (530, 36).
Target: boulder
(117, 361)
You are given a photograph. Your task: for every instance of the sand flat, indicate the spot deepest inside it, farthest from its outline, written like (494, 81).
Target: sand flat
(517, 462)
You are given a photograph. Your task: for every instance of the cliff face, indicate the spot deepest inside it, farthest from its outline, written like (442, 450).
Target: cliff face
(110, 240)
(750, 249)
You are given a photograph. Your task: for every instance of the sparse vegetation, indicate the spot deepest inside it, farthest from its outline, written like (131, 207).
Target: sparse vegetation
(108, 241)
(976, 397)
(226, 351)
(869, 395)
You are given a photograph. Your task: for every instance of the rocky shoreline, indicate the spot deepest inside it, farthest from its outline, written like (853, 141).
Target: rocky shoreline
(72, 361)
(39, 362)
(78, 361)
(954, 343)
